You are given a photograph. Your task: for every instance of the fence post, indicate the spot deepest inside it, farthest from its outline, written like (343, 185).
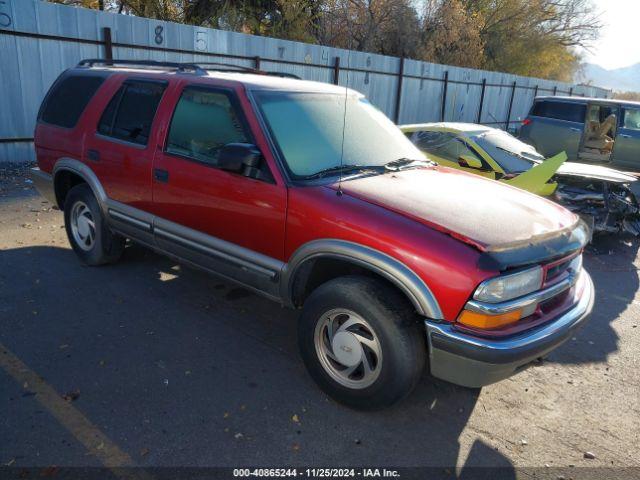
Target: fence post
(513, 94)
(444, 95)
(399, 91)
(336, 71)
(484, 85)
(256, 61)
(108, 47)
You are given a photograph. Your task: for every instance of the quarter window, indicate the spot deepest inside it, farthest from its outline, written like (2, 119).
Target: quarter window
(68, 98)
(204, 121)
(571, 112)
(129, 115)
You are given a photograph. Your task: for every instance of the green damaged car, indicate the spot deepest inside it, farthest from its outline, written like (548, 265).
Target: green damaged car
(602, 196)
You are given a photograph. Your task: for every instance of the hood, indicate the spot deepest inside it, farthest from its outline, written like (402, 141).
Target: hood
(484, 213)
(597, 172)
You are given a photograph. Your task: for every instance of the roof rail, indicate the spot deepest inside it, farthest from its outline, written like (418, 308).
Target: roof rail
(230, 67)
(283, 75)
(180, 67)
(227, 67)
(199, 69)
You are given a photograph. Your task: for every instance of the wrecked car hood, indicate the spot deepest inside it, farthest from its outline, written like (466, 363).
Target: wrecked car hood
(596, 172)
(484, 213)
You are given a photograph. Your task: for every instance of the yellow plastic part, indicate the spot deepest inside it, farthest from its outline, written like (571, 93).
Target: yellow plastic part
(535, 180)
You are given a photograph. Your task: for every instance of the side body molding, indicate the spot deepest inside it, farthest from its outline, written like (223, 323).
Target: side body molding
(393, 270)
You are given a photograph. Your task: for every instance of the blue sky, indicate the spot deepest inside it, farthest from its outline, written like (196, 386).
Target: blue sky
(619, 44)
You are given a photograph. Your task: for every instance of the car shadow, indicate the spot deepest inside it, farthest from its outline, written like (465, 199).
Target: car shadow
(610, 260)
(194, 371)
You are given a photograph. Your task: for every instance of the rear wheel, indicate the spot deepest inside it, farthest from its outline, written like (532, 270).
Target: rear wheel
(361, 342)
(86, 229)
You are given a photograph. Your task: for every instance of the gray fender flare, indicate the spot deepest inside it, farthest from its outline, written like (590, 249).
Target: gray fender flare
(80, 169)
(388, 267)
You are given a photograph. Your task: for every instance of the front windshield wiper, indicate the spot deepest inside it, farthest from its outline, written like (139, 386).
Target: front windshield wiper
(395, 165)
(403, 163)
(325, 172)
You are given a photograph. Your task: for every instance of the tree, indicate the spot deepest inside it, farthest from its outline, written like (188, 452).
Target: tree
(167, 10)
(389, 27)
(451, 35)
(95, 4)
(535, 37)
(634, 96)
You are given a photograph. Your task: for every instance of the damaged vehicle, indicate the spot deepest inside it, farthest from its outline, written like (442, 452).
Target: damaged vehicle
(600, 195)
(305, 193)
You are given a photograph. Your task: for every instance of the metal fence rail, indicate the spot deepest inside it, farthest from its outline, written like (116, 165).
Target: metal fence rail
(38, 40)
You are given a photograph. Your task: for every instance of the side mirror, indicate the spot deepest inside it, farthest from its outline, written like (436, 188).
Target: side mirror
(469, 161)
(237, 157)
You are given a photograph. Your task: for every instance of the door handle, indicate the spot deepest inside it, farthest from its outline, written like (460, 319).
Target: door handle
(161, 175)
(93, 155)
(575, 129)
(624, 135)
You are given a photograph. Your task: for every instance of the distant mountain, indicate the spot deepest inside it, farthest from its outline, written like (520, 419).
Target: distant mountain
(626, 79)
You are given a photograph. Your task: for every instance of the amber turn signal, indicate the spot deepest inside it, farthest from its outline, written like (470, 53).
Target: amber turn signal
(484, 321)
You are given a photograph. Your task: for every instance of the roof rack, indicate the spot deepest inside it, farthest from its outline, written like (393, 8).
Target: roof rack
(180, 67)
(199, 68)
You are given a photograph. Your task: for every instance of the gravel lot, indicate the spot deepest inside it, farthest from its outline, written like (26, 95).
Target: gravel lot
(176, 368)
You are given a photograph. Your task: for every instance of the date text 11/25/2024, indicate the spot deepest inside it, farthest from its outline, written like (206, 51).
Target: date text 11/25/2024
(317, 472)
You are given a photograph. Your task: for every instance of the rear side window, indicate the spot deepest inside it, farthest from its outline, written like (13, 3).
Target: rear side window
(129, 115)
(68, 98)
(572, 112)
(203, 122)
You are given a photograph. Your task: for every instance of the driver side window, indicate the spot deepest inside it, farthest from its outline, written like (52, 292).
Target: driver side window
(204, 121)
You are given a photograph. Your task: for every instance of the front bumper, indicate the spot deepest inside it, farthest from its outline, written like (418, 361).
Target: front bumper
(473, 361)
(44, 184)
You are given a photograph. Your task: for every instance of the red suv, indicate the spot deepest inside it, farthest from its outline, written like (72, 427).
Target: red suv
(307, 194)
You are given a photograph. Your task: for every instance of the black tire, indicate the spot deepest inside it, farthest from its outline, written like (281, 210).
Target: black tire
(106, 246)
(400, 337)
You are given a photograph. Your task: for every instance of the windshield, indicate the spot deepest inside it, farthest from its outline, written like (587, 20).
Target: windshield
(308, 130)
(510, 153)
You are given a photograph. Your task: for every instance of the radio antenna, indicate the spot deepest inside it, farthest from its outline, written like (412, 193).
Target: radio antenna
(346, 96)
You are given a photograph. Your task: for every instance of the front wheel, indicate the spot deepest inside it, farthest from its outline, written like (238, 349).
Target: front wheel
(361, 342)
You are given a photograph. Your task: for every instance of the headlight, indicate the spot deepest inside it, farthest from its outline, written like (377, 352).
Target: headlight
(508, 287)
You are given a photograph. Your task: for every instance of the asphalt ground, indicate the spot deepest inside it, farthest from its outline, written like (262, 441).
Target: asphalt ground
(153, 364)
